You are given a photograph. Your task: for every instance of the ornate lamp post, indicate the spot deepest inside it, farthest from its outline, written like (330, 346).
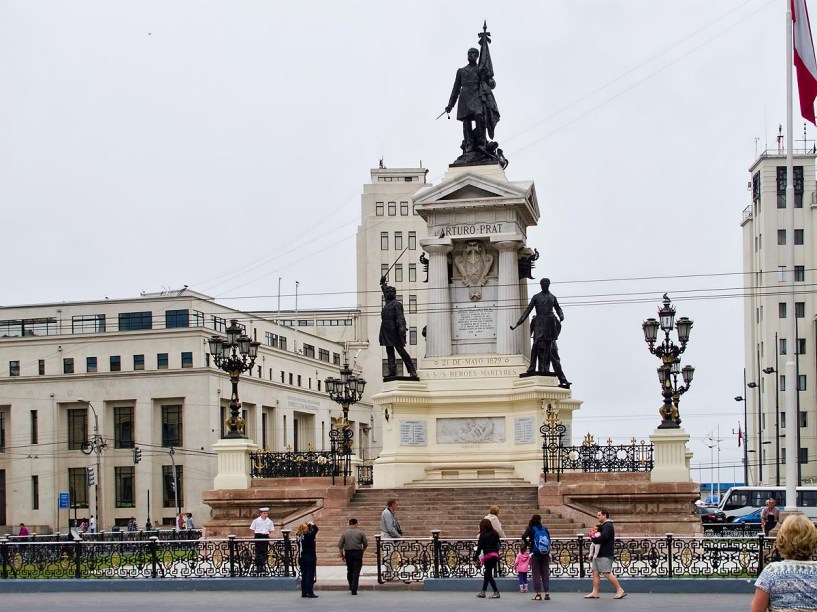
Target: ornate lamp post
(235, 355)
(346, 390)
(670, 355)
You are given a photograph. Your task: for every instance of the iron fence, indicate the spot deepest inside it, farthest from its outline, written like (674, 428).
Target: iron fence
(294, 464)
(415, 559)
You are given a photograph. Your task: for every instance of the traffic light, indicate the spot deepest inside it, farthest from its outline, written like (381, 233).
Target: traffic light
(90, 472)
(137, 454)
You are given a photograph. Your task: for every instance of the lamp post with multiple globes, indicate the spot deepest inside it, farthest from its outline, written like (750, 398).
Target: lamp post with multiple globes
(346, 390)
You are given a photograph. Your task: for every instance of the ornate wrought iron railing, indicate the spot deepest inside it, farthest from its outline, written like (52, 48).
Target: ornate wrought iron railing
(294, 464)
(414, 559)
(153, 558)
(365, 474)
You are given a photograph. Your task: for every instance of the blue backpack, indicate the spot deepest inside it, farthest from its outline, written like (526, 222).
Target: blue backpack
(541, 540)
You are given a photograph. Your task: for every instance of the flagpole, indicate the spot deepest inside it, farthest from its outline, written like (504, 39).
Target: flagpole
(792, 454)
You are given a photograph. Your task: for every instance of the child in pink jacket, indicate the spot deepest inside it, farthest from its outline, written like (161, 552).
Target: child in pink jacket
(522, 564)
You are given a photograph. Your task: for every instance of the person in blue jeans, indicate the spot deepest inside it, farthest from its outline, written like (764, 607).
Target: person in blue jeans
(539, 560)
(488, 545)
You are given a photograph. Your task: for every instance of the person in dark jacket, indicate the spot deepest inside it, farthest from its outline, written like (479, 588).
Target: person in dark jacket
(306, 533)
(488, 545)
(539, 561)
(393, 330)
(605, 537)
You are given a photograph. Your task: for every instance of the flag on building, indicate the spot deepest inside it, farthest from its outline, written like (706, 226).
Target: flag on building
(805, 63)
(740, 436)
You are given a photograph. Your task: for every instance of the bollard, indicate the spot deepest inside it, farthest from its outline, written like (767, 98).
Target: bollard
(379, 560)
(154, 557)
(231, 553)
(435, 537)
(288, 553)
(669, 555)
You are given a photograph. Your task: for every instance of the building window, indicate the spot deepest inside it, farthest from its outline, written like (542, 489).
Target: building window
(177, 318)
(412, 335)
(283, 343)
(384, 241)
(290, 378)
(781, 237)
(398, 241)
(798, 237)
(116, 363)
(14, 368)
(124, 482)
(161, 361)
(392, 209)
(801, 382)
(798, 186)
(132, 321)
(799, 274)
(198, 319)
(384, 270)
(801, 346)
(412, 305)
(41, 367)
(2, 432)
(123, 426)
(219, 324)
(783, 346)
(309, 351)
(803, 418)
(171, 485)
(335, 358)
(35, 492)
(299, 380)
(78, 486)
(187, 359)
(783, 388)
(378, 209)
(398, 371)
(35, 428)
(88, 324)
(138, 362)
(28, 327)
(412, 273)
(172, 425)
(781, 310)
(800, 310)
(323, 355)
(412, 241)
(77, 428)
(90, 364)
(68, 365)
(404, 206)
(398, 273)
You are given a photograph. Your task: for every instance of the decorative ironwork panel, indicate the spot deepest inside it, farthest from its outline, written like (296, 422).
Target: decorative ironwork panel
(293, 464)
(365, 474)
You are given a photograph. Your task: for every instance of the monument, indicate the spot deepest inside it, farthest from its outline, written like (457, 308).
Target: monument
(469, 418)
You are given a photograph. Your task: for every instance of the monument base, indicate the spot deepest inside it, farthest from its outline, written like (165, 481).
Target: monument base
(391, 378)
(671, 456)
(468, 421)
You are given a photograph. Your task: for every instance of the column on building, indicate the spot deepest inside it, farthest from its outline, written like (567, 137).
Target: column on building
(507, 297)
(438, 333)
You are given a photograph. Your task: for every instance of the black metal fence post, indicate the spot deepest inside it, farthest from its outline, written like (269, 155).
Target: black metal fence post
(288, 553)
(437, 548)
(231, 554)
(77, 557)
(582, 571)
(379, 560)
(4, 557)
(154, 557)
(761, 561)
(669, 555)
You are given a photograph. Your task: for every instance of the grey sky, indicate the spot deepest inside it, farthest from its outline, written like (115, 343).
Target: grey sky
(223, 144)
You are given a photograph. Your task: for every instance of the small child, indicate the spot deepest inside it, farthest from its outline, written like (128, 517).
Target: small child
(593, 533)
(522, 564)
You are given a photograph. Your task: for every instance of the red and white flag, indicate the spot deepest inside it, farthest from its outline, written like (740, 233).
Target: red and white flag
(804, 61)
(740, 435)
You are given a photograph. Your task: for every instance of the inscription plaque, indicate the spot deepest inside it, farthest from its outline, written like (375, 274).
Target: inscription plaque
(523, 430)
(474, 321)
(413, 433)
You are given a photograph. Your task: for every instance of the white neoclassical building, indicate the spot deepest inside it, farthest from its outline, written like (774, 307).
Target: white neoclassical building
(138, 372)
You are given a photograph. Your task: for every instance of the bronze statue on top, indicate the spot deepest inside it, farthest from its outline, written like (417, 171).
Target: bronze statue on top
(393, 331)
(545, 328)
(477, 109)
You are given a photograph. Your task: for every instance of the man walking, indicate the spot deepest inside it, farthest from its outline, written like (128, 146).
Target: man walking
(389, 527)
(92, 524)
(261, 528)
(605, 537)
(769, 516)
(352, 544)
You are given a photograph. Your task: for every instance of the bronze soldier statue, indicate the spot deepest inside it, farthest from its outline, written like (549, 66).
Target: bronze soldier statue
(546, 326)
(393, 331)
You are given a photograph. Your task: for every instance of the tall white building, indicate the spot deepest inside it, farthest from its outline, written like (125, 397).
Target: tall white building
(767, 345)
(139, 370)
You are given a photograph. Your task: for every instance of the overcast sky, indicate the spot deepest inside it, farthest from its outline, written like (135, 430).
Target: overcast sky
(224, 144)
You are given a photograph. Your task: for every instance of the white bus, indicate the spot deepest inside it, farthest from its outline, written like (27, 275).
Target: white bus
(740, 501)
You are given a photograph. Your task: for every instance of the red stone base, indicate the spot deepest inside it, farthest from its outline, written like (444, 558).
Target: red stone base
(290, 500)
(636, 505)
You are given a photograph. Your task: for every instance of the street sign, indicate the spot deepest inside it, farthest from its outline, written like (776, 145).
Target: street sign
(65, 500)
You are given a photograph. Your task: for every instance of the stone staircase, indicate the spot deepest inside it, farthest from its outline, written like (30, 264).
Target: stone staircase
(455, 511)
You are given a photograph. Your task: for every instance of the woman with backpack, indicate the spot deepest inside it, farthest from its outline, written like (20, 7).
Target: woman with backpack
(488, 545)
(537, 539)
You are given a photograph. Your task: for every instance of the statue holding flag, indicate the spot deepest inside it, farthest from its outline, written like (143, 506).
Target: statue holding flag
(477, 109)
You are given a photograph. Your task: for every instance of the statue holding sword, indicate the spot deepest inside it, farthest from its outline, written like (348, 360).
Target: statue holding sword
(393, 328)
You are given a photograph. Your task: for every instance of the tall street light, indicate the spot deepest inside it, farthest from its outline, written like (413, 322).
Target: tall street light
(95, 445)
(670, 355)
(346, 390)
(754, 385)
(235, 355)
(742, 398)
(771, 370)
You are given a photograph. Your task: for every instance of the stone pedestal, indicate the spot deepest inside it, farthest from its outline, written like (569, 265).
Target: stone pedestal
(671, 456)
(469, 421)
(233, 463)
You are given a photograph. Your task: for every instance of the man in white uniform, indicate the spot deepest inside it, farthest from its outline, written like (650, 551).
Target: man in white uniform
(261, 528)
